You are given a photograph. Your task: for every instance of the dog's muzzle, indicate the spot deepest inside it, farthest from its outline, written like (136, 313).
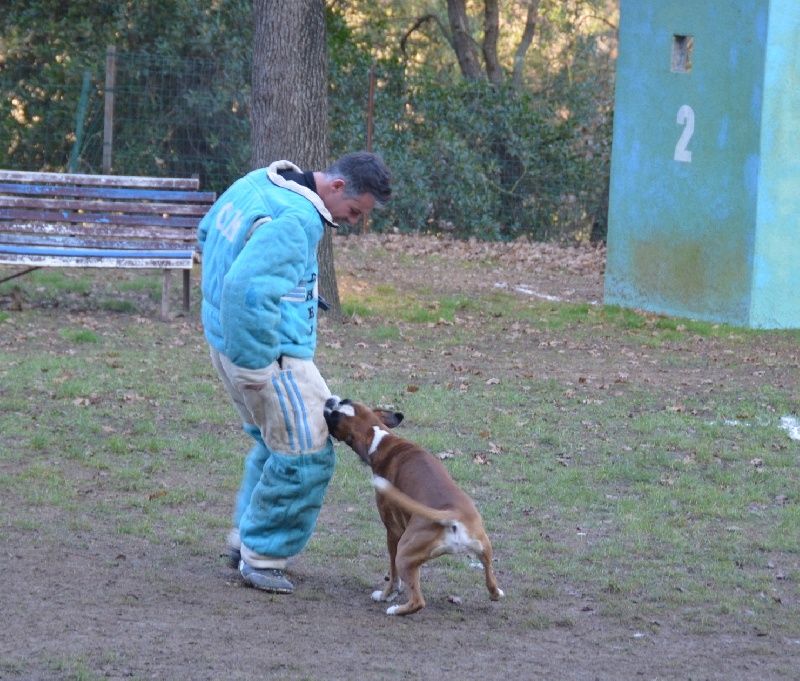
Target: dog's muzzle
(331, 413)
(335, 410)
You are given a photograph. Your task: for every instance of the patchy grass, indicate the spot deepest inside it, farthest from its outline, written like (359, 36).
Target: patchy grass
(634, 459)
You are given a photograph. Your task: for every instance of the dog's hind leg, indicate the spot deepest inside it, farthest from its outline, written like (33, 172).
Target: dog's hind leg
(413, 550)
(410, 574)
(393, 585)
(485, 556)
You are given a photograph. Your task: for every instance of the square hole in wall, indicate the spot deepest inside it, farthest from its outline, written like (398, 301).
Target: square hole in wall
(682, 46)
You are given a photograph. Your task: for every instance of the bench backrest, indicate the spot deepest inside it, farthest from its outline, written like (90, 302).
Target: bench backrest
(102, 206)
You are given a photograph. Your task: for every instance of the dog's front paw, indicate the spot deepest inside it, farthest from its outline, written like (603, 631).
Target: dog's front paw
(382, 597)
(389, 592)
(500, 594)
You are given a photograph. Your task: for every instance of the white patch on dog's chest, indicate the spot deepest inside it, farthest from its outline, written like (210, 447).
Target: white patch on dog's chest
(379, 435)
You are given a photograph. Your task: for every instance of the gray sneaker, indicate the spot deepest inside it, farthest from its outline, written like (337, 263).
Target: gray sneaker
(266, 579)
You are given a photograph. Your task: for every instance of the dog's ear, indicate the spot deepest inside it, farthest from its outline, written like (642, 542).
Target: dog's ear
(390, 419)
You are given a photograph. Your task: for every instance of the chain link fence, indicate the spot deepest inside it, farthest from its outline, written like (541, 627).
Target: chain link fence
(130, 114)
(467, 159)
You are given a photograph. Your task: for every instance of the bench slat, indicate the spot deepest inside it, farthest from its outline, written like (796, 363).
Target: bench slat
(89, 242)
(107, 193)
(106, 221)
(125, 232)
(92, 252)
(190, 184)
(14, 216)
(18, 216)
(156, 262)
(107, 206)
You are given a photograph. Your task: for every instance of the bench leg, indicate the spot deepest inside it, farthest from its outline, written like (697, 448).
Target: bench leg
(19, 274)
(165, 296)
(186, 274)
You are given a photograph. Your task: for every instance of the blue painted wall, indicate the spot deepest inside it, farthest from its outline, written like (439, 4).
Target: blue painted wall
(776, 266)
(704, 211)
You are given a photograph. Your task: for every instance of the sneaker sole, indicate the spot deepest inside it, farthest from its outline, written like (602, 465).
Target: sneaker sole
(268, 589)
(252, 581)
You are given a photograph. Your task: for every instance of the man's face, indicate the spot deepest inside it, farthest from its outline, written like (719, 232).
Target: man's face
(347, 209)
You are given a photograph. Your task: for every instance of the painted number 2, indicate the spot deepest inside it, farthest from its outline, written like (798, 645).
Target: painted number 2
(686, 119)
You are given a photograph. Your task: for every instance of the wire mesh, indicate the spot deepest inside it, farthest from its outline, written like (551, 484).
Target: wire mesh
(466, 160)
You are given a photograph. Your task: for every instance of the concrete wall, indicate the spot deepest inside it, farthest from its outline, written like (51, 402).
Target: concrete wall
(776, 265)
(704, 219)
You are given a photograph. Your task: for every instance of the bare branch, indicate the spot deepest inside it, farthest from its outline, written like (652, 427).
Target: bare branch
(508, 192)
(415, 26)
(597, 17)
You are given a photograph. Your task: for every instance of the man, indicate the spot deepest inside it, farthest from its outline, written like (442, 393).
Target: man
(259, 250)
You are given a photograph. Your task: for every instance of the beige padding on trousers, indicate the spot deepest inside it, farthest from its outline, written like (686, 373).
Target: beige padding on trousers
(285, 402)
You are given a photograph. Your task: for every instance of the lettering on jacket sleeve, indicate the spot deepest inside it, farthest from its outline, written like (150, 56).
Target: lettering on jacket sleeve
(228, 221)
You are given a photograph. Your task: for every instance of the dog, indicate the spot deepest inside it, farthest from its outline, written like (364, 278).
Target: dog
(425, 513)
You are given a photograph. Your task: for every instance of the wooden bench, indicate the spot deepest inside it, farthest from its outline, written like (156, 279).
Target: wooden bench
(69, 220)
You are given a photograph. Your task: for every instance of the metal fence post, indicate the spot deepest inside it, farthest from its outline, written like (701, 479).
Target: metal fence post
(370, 114)
(76, 148)
(108, 118)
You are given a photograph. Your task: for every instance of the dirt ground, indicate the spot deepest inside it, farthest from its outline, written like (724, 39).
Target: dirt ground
(121, 610)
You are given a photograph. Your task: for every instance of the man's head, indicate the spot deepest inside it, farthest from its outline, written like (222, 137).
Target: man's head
(354, 185)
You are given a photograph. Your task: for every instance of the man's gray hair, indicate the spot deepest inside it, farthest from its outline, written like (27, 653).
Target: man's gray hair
(363, 173)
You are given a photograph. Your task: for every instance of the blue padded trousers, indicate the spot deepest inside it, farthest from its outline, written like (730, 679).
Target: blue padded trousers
(287, 471)
(280, 498)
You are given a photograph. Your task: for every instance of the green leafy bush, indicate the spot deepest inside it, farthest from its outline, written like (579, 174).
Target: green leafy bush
(469, 159)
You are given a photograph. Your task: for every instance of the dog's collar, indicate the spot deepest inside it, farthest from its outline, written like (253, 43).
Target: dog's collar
(380, 433)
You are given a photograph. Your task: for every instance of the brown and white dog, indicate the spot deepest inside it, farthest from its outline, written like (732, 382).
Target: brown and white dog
(425, 513)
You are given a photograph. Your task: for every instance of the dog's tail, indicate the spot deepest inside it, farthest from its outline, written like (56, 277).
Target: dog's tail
(412, 505)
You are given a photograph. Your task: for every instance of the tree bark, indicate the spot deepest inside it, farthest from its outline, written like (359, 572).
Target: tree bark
(290, 100)
(525, 43)
(466, 50)
(290, 83)
(491, 34)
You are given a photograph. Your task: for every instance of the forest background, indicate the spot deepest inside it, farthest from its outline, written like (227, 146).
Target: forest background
(514, 144)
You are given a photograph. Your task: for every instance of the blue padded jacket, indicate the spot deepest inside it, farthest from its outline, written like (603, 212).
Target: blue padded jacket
(259, 250)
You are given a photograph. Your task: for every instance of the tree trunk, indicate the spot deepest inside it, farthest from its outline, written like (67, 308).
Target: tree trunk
(290, 99)
(290, 83)
(466, 50)
(525, 43)
(491, 34)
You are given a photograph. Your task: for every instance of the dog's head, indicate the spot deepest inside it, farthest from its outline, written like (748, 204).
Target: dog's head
(357, 425)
